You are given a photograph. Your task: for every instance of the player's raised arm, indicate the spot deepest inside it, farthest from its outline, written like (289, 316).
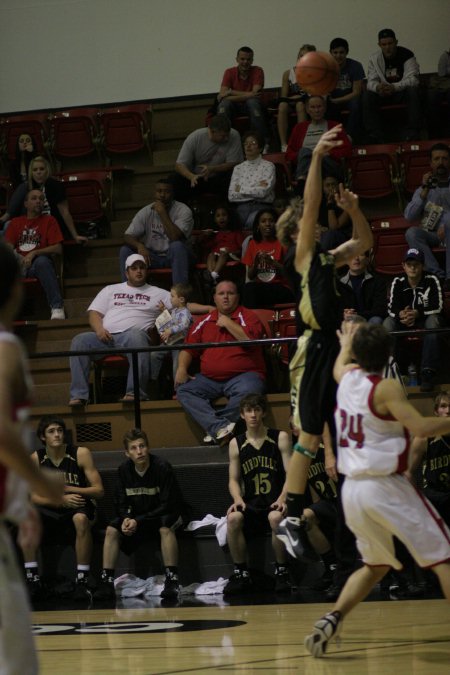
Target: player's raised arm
(362, 238)
(313, 197)
(343, 362)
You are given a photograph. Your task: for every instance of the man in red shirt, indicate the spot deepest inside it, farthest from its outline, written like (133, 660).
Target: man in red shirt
(35, 237)
(240, 92)
(233, 372)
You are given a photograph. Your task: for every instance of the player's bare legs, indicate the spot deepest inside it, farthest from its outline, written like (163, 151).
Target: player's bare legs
(292, 530)
(443, 573)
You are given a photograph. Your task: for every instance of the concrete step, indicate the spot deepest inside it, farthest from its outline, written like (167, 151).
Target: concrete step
(76, 308)
(83, 287)
(54, 394)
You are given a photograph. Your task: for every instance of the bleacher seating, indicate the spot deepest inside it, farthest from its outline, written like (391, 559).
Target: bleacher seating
(126, 128)
(89, 194)
(36, 124)
(73, 133)
(372, 171)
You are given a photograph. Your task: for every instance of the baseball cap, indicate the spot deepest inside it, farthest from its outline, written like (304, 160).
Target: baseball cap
(135, 257)
(386, 33)
(414, 254)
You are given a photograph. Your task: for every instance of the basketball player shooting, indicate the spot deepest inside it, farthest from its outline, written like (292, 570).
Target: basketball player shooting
(313, 389)
(373, 420)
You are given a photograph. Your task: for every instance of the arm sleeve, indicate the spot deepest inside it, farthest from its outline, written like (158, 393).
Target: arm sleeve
(395, 304)
(435, 300)
(54, 234)
(373, 75)
(137, 226)
(410, 75)
(123, 507)
(414, 210)
(234, 149)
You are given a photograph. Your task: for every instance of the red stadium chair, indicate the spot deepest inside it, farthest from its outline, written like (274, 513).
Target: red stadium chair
(372, 171)
(126, 129)
(73, 133)
(89, 196)
(414, 162)
(36, 124)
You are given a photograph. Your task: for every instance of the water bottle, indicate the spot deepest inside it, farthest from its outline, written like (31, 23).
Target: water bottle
(412, 375)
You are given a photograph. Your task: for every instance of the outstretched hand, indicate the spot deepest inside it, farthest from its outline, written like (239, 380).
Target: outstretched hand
(328, 141)
(346, 200)
(346, 333)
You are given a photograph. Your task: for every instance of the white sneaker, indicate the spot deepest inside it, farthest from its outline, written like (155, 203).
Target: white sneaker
(208, 439)
(284, 147)
(225, 431)
(58, 313)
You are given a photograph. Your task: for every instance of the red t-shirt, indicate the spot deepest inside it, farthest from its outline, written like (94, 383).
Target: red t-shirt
(223, 363)
(28, 234)
(266, 273)
(231, 79)
(230, 239)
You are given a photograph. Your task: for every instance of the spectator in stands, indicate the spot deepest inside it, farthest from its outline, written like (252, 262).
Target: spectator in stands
(224, 371)
(73, 520)
(347, 94)
(206, 160)
(173, 326)
(121, 315)
(259, 458)
(292, 98)
(222, 244)
(35, 238)
(266, 283)
(430, 205)
(415, 301)
(241, 90)
(304, 138)
(365, 292)
(438, 93)
(55, 202)
(432, 457)
(336, 226)
(25, 151)
(392, 77)
(148, 506)
(252, 184)
(160, 233)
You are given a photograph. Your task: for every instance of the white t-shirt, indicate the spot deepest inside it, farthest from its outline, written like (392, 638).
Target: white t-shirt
(124, 306)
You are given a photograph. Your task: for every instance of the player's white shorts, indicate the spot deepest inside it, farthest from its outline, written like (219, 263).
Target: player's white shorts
(17, 651)
(378, 507)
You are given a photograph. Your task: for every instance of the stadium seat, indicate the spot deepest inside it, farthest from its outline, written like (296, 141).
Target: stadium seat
(36, 124)
(414, 162)
(126, 129)
(89, 195)
(283, 183)
(73, 133)
(372, 171)
(389, 244)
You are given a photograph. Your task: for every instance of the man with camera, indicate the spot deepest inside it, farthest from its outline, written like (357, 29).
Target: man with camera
(430, 210)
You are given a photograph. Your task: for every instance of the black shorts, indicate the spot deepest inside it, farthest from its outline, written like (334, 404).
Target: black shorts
(57, 524)
(326, 513)
(256, 521)
(313, 388)
(147, 529)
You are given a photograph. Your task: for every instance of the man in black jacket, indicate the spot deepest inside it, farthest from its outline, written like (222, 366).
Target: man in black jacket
(416, 301)
(148, 503)
(364, 292)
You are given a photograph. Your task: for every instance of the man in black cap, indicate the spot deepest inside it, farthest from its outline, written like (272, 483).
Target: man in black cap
(415, 301)
(392, 77)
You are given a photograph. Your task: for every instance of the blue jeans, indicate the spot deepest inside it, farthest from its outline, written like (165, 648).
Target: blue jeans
(251, 107)
(431, 342)
(196, 397)
(80, 365)
(157, 359)
(329, 166)
(42, 268)
(178, 258)
(424, 240)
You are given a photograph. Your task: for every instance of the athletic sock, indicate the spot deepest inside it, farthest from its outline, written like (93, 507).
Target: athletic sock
(171, 569)
(295, 504)
(31, 570)
(82, 572)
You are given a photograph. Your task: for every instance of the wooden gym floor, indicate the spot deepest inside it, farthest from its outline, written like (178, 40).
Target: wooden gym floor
(409, 637)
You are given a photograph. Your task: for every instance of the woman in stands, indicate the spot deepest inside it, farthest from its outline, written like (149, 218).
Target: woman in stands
(55, 198)
(25, 151)
(266, 284)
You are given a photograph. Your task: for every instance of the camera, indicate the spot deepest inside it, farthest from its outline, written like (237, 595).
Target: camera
(432, 182)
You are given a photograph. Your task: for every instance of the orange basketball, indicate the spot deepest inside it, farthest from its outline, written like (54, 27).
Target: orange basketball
(317, 73)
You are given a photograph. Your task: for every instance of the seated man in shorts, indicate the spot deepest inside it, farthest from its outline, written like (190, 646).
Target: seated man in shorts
(258, 462)
(75, 518)
(312, 387)
(148, 504)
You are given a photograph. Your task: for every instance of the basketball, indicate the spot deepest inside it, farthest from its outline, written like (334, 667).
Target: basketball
(317, 73)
